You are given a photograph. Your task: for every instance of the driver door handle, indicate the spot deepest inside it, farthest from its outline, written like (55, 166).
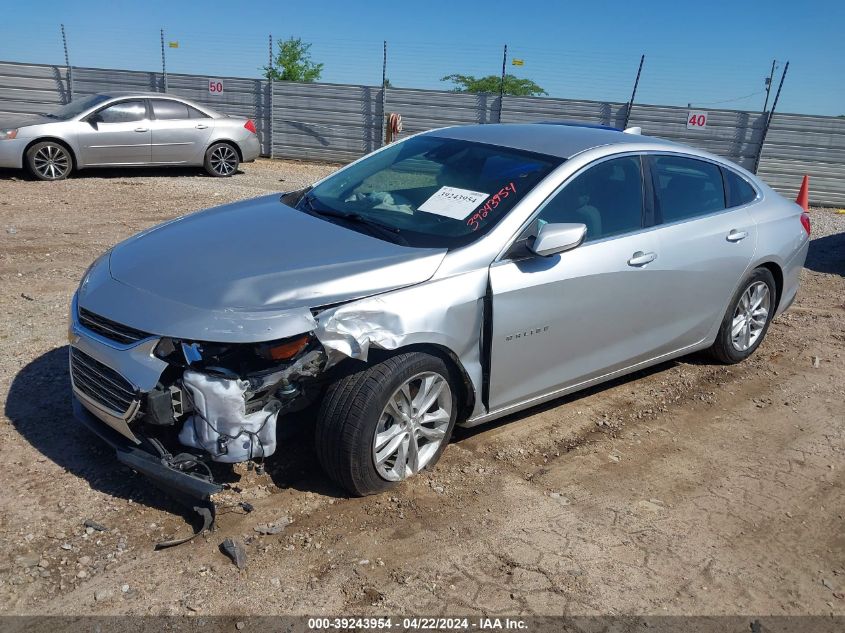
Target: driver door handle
(641, 259)
(736, 236)
(200, 126)
(142, 129)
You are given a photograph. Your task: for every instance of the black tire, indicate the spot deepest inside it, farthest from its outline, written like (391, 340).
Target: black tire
(350, 413)
(222, 160)
(49, 160)
(723, 348)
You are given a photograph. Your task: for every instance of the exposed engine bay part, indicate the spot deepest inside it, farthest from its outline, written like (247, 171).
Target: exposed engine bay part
(234, 419)
(220, 424)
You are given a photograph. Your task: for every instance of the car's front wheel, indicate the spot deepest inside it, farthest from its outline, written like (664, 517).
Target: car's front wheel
(49, 160)
(386, 422)
(748, 317)
(221, 160)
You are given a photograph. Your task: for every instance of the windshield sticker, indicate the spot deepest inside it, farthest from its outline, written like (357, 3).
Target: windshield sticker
(474, 221)
(452, 202)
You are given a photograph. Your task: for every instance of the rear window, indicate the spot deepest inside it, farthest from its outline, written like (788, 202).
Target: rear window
(737, 189)
(686, 187)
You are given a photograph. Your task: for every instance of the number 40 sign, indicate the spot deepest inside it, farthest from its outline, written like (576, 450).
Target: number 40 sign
(696, 120)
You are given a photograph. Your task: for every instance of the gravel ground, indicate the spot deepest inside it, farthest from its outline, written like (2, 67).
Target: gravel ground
(690, 488)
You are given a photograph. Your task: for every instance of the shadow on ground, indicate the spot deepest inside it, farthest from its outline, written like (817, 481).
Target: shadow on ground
(118, 172)
(827, 255)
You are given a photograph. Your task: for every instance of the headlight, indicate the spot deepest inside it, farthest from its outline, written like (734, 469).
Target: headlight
(8, 134)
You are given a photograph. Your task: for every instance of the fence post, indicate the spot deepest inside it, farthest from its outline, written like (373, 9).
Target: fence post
(270, 80)
(633, 94)
(67, 66)
(163, 64)
(769, 119)
(502, 82)
(384, 96)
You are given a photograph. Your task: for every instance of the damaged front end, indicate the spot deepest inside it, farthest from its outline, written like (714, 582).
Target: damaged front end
(227, 399)
(170, 407)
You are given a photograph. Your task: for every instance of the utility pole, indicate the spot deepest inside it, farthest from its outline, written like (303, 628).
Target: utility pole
(163, 63)
(384, 95)
(270, 69)
(67, 66)
(502, 82)
(769, 118)
(634, 93)
(769, 83)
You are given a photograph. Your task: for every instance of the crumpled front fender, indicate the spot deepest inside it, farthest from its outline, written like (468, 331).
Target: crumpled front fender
(446, 313)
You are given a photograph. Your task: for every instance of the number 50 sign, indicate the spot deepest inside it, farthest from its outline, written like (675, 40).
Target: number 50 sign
(215, 86)
(696, 120)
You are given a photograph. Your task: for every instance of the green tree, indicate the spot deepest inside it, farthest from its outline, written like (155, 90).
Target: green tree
(491, 83)
(293, 62)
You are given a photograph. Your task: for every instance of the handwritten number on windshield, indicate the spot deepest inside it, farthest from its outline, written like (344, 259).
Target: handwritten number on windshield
(474, 221)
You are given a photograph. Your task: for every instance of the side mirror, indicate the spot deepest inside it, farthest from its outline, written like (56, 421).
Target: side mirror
(94, 119)
(557, 238)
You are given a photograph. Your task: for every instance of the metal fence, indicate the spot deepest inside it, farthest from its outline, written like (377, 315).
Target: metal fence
(332, 122)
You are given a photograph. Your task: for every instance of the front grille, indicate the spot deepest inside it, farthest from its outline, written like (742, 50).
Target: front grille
(100, 383)
(109, 329)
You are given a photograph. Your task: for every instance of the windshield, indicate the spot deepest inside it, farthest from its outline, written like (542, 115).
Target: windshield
(429, 191)
(77, 106)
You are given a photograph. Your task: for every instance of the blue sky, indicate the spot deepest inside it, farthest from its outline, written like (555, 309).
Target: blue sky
(711, 54)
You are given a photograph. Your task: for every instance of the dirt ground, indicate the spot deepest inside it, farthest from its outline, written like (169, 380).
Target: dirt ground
(691, 488)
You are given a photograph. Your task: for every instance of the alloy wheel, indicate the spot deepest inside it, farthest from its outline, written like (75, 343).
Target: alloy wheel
(412, 426)
(52, 162)
(750, 316)
(224, 160)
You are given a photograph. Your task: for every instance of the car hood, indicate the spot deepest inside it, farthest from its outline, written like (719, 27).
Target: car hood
(246, 272)
(22, 120)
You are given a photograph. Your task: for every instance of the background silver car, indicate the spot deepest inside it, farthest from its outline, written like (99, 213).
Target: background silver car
(454, 277)
(126, 129)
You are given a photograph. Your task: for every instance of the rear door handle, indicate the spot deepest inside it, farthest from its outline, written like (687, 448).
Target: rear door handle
(736, 236)
(200, 126)
(641, 259)
(142, 129)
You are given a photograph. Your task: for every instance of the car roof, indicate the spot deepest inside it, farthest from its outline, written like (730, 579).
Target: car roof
(563, 140)
(119, 94)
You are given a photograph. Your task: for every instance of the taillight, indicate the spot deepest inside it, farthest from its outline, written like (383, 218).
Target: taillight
(250, 126)
(805, 221)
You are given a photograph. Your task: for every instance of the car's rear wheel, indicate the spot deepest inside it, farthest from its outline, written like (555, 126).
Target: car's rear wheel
(386, 422)
(49, 160)
(748, 317)
(221, 160)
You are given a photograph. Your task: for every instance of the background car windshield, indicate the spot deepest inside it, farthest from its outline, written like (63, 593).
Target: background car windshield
(435, 191)
(78, 106)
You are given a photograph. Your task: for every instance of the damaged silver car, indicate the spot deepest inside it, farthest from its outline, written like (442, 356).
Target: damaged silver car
(451, 278)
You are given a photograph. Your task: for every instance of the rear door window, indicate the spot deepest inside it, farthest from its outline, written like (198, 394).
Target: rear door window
(166, 110)
(686, 188)
(737, 190)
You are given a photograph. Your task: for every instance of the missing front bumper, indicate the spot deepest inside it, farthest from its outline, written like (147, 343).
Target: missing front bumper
(188, 489)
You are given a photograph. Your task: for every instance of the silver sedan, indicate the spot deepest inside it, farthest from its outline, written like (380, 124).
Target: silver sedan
(126, 130)
(451, 278)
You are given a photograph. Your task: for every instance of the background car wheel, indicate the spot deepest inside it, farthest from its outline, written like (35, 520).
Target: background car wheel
(221, 160)
(748, 317)
(49, 160)
(386, 422)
